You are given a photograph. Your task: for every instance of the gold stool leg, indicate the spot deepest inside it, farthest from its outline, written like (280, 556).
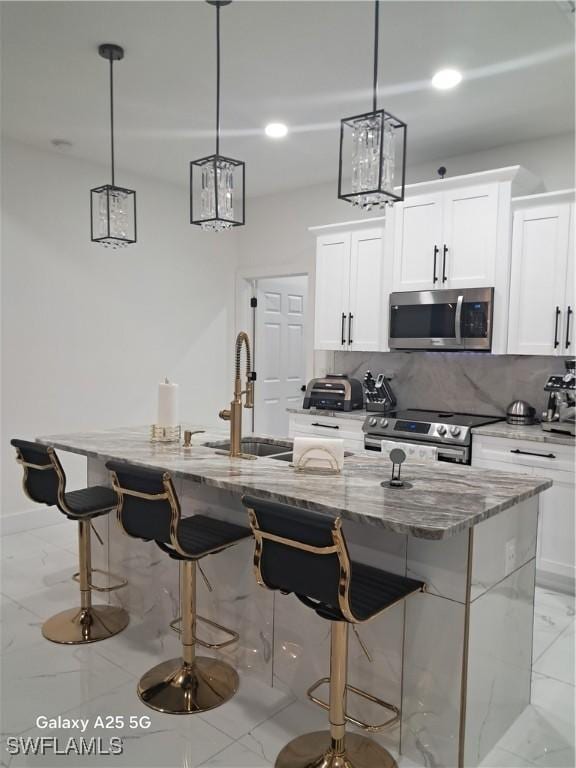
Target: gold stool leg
(88, 623)
(190, 683)
(335, 748)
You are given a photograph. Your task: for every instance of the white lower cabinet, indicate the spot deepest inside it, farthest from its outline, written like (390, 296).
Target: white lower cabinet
(556, 530)
(315, 425)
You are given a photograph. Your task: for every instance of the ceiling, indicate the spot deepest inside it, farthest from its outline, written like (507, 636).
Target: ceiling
(305, 63)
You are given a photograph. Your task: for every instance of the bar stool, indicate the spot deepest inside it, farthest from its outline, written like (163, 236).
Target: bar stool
(305, 553)
(148, 509)
(44, 482)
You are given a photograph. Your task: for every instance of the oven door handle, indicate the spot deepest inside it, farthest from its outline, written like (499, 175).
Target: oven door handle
(458, 320)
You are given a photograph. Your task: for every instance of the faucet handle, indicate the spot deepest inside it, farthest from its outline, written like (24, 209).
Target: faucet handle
(225, 414)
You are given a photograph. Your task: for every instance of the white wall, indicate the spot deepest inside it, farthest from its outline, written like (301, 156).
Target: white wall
(88, 332)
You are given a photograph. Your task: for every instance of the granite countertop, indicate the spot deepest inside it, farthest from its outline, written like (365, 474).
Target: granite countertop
(358, 415)
(442, 501)
(531, 432)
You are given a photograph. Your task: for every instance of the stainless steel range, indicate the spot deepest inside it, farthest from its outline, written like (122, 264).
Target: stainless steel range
(449, 432)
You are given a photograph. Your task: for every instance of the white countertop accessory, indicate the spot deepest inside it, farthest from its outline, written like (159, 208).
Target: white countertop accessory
(318, 454)
(412, 451)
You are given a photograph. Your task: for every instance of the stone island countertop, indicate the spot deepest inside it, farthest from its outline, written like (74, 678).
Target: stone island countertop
(442, 500)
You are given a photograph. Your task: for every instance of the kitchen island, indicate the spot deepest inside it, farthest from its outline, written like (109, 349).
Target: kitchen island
(456, 659)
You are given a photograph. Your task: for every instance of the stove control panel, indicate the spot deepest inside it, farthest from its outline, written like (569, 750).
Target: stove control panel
(423, 431)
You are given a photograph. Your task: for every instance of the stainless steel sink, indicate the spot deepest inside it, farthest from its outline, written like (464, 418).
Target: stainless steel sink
(254, 446)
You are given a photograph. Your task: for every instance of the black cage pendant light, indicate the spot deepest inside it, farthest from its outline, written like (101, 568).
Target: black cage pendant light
(372, 151)
(217, 186)
(112, 208)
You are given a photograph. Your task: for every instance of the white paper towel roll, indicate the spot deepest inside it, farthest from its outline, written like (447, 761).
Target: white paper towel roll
(167, 404)
(413, 451)
(318, 453)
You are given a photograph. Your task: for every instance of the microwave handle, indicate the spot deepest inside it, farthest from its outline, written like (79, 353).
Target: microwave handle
(458, 320)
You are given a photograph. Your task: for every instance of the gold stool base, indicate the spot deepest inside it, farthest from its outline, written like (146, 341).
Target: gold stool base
(85, 625)
(313, 751)
(181, 689)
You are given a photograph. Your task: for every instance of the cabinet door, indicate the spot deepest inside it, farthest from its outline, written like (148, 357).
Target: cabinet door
(364, 330)
(556, 548)
(568, 345)
(470, 233)
(538, 280)
(418, 243)
(332, 291)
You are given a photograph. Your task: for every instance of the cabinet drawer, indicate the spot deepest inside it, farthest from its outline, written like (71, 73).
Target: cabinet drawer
(327, 426)
(523, 453)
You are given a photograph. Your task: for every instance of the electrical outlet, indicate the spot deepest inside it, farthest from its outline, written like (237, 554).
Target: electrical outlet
(510, 556)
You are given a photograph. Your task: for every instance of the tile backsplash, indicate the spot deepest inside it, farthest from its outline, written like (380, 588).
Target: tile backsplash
(468, 382)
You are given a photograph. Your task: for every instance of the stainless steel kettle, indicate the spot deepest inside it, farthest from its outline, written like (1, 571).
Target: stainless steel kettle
(520, 413)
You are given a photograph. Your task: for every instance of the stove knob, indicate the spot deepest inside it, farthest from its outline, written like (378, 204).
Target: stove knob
(372, 422)
(442, 430)
(455, 431)
(383, 422)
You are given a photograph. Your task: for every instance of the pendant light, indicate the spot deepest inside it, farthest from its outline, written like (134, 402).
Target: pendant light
(372, 165)
(217, 187)
(112, 208)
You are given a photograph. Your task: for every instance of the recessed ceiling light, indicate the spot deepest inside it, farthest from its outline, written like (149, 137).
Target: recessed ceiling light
(446, 78)
(276, 130)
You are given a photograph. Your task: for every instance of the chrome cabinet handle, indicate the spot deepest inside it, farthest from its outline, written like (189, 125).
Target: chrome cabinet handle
(531, 453)
(458, 320)
(326, 426)
(569, 313)
(350, 318)
(558, 313)
(445, 251)
(342, 336)
(436, 252)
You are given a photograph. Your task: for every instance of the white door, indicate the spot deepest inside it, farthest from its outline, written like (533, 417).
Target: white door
(280, 354)
(469, 237)
(538, 280)
(568, 344)
(364, 330)
(332, 291)
(418, 243)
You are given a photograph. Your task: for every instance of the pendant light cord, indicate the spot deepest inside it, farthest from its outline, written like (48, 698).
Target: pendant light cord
(112, 118)
(376, 35)
(218, 79)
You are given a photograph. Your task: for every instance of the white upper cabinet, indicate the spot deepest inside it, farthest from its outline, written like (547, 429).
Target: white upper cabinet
(447, 239)
(570, 299)
(349, 291)
(332, 290)
(417, 243)
(469, 241)
(541, 290)
(366, 300)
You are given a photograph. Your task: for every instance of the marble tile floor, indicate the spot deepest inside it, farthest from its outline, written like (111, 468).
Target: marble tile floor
(39, 677)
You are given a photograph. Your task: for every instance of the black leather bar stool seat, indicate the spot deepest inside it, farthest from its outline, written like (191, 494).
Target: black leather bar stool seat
(302, 552)
(90, 502)
(44, 482)
(148, 509)
(199, 535)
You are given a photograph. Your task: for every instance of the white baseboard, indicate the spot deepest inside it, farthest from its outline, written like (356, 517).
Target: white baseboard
(555, 582)
(39, 517)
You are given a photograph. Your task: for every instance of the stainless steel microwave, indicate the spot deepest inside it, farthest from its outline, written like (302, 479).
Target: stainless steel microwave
(443, 320)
